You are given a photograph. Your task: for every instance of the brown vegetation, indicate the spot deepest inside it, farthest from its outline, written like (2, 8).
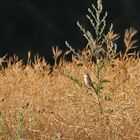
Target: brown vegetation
(43, 102)
(40, 105)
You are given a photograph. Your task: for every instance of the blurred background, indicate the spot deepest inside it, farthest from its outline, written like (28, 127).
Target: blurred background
(36, 26)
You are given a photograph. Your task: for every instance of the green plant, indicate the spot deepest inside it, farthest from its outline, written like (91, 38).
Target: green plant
(20, 128)
(70, 76)
(95, 45)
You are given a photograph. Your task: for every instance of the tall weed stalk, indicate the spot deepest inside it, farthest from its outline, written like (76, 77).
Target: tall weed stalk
(101, 46)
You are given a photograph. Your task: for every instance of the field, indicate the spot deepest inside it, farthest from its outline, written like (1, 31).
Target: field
(38, 103)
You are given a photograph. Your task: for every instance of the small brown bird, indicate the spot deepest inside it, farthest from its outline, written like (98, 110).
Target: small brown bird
(88, 81)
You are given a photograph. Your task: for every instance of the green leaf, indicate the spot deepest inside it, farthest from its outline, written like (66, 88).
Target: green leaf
(98, 89)
(104, 81)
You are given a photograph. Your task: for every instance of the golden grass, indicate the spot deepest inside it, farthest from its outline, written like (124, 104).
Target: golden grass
(56, 107)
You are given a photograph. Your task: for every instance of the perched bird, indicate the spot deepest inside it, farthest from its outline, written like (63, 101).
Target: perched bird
(88, 81)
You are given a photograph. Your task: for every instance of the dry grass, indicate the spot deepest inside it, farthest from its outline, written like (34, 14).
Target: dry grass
(39, 102)
(55, 107)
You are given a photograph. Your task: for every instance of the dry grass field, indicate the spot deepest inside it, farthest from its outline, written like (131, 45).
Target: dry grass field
(43, 102)
(38, 105)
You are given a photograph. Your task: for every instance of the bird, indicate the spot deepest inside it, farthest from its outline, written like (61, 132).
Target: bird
(88, 81)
